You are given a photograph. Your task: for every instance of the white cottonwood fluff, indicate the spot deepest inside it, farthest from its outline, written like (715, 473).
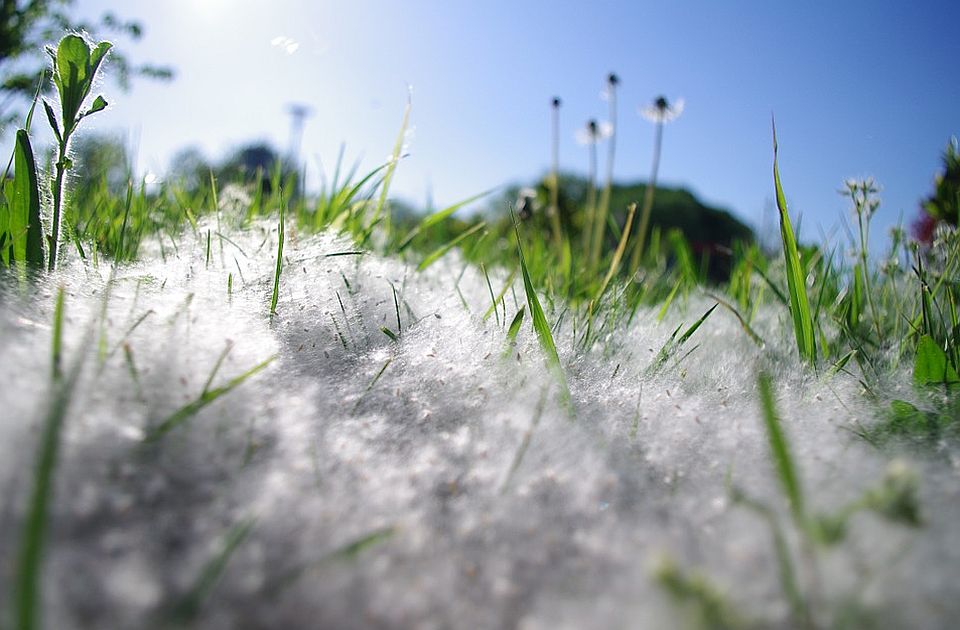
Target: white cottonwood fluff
(318, 456)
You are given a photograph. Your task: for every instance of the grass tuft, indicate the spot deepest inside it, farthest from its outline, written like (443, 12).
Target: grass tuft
(796, 277)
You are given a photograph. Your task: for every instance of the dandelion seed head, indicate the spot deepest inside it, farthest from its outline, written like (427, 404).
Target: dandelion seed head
(662, 111)
(594, 132)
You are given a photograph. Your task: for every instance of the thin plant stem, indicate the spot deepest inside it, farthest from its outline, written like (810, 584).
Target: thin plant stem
(555, 176)
(603, 209)
(647, 202)
(591, 196)
(58, 198)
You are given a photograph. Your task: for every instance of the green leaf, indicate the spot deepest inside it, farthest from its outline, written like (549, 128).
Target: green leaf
(52, 119)
(75, 68)
(931, 366)
(97, 55)
(99, 104)
(26, 229)
(73, 71)
(796, 278)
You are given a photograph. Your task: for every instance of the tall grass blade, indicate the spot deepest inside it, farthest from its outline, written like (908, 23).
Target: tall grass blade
(537, 317)
(515, 326)
(206, 397)
(796, 278)
(437, 217)
(27, 596)
(493, 299)
(190, 605)
(276, 276)
(347, 552)
(754, 337)
(439, 252)
(525, 442)
(674, 343)
(780, 451)
(56, 350)
(618, 254)
(391, 168)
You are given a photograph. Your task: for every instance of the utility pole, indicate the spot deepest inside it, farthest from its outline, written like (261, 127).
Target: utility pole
(298, 115)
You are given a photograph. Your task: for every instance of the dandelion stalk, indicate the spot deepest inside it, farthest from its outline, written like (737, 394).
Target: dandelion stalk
(554, 212)
(604, 207)
(589, 137)
(659, 113)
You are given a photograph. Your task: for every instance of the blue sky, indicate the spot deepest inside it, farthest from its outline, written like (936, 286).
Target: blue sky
(858, 89)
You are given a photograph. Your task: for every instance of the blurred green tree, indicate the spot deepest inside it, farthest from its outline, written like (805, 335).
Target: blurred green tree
(944, 203)
(27, 26)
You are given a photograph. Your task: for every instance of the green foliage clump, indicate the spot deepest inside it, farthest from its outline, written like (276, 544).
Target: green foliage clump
(25, 27)
(944, 203)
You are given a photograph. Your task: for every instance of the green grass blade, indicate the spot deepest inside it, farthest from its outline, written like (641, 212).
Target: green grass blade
(438, 253)
(538, 319)
(674, 343)
(788, 573)
(208, 396)
(796, 278)
(666, 303)
(27, 594)
(754, 337)
(498, 299)
(780, 451)
(276, 276)
(841, 362)
(515, 325)
(189, 606)
(493, 299)
(432, 219)
(57, 345)
(525, 442)
(618, 254)
(347, 552)
(376, 378)
(391, 168)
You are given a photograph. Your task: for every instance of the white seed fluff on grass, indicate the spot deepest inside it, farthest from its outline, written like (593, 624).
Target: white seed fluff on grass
(429, 481)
